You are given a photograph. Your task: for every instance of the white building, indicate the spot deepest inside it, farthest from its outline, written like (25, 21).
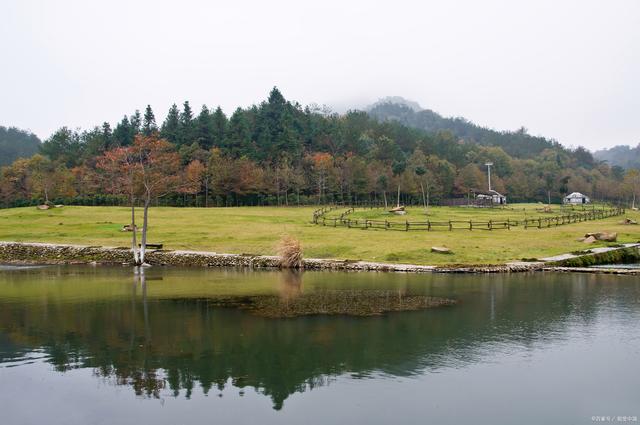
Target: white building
(576, 198)
(492, 196)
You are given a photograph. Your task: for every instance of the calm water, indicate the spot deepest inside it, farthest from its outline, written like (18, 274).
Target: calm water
(83, 345)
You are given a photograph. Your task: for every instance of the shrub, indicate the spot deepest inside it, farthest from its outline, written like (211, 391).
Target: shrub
(290, 252)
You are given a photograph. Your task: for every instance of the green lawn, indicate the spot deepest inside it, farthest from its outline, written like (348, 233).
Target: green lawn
(256, 230)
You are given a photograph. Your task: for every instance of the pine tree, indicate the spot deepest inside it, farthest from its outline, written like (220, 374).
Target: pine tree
(204, 128)
(149, 122)
(276, 132)
(63, 145)
(186, 134)
(107, 135)
(123, 134)
(171, 125)
(219, 127)
(136, 123)
(238, 136)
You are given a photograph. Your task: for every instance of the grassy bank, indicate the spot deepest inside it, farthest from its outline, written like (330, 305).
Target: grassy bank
(256, 230)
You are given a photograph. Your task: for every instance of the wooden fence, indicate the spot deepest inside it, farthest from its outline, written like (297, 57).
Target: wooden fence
(319, 218)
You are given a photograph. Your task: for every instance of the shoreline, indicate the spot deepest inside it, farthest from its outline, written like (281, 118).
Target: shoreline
(52, 254)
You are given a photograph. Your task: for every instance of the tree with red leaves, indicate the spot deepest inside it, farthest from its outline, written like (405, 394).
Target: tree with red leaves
(144, 171)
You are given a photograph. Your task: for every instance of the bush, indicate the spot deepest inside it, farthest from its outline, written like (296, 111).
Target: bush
(290, 252)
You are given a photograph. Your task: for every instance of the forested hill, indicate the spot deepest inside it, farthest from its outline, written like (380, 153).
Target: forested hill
(622, 156)
(278, 150)
(518, 144)
(16, 143)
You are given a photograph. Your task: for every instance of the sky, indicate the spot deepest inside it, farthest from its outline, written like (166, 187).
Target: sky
(567, 70)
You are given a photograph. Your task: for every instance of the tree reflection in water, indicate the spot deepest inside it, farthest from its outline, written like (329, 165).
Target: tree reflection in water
(171, 333)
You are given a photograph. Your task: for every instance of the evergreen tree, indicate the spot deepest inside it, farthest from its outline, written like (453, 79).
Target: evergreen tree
(93, 143)
(276, 133)
(107, 135)
(204, 128)
(187, 126)
(219, 127)
(136, 122)
(124, 133)
(238, 137)
(171, 125)
(149, 122)
(64, 145)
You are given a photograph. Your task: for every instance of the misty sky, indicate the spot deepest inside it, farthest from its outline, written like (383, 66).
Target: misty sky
(568, 70)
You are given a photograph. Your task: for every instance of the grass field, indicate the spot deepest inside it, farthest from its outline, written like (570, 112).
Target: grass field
(256, 230)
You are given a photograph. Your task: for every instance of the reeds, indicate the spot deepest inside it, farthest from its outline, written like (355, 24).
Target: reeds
(290, 252)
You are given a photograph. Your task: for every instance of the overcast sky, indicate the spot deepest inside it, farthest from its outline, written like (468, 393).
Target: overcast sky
(568, 70)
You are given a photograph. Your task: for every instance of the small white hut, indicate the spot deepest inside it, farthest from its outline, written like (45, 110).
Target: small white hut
(576, 198)
(492, 196)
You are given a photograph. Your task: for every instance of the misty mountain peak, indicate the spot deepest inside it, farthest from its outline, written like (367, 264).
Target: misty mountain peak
(396, 100)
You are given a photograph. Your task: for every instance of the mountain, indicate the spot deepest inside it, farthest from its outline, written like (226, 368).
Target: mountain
(396, 100)
(16, 143)
(515, 143)
(622, 155)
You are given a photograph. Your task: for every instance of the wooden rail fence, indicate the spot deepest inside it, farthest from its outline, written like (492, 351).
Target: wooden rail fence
(319, 218)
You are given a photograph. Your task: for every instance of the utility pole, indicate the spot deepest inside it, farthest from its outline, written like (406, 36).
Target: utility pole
(489, 164)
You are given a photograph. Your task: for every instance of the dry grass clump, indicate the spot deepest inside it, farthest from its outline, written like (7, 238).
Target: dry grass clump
(290, 252)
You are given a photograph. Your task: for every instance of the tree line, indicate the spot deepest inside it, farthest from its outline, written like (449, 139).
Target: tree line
(281, 153)
(16, 143)
(624, 156)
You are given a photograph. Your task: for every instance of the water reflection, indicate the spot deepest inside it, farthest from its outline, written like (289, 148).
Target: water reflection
(166, 330)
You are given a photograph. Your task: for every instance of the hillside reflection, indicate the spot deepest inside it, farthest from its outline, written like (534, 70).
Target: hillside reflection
(173, 332)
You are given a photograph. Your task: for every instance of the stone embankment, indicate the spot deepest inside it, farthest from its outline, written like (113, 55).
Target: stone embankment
(44, 253)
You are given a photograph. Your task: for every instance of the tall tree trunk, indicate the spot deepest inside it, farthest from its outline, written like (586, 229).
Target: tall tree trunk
(424, 200)
(145, 221)
(398, 205)
(428, 193)
(384, 193)
(134, 239)
(206, 192)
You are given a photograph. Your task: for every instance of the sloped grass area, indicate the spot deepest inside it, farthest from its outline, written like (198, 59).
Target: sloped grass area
(256, 230)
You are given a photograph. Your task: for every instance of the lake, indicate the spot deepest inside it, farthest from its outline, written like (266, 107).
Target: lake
(102, 345)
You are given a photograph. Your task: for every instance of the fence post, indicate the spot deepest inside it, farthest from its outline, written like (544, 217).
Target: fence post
(450, 226)
(406, 225)
(428, 225)
(386, 225)
(490, 225)
(470, 225)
